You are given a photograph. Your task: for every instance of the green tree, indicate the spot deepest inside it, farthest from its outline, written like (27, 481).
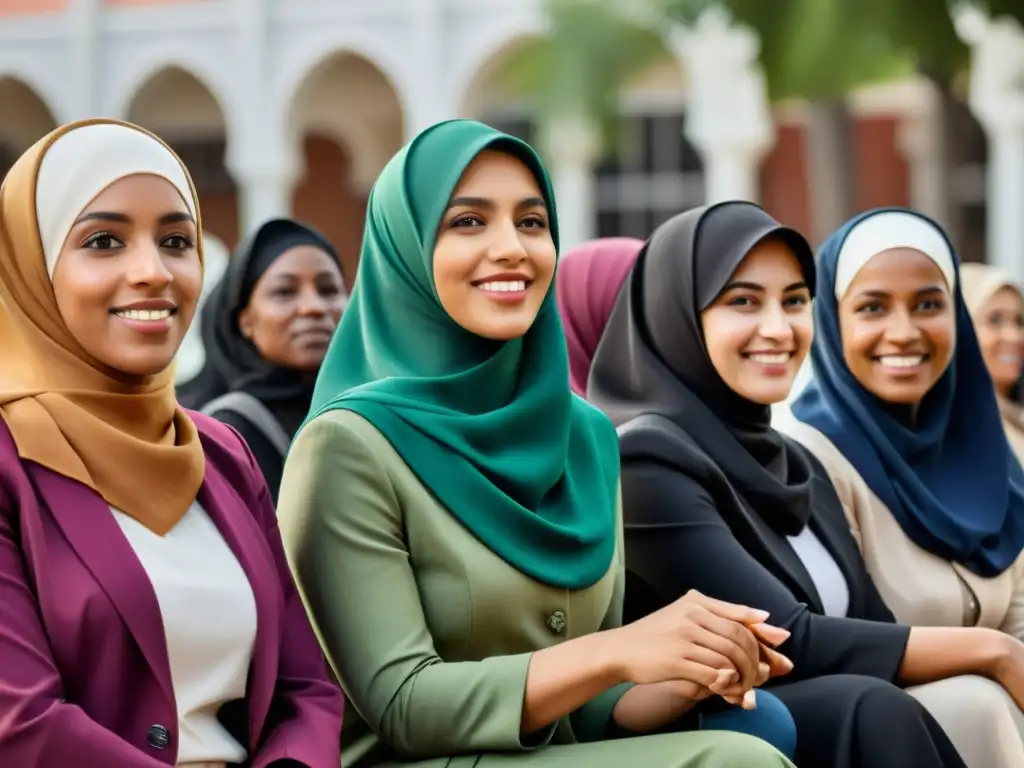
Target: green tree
(815, 50)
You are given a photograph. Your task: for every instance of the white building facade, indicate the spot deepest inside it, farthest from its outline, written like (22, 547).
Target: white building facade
(293, 107)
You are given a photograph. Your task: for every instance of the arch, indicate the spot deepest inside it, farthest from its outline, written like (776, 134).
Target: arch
(494, 37)
(323, 105)
(304, 62)
(179, 107)
(140, 79)
(484, 92)
(25, 119)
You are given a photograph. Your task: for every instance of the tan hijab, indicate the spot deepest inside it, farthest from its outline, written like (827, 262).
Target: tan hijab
(123, 436)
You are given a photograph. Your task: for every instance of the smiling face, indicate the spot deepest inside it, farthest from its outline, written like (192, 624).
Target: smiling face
(494, 257)
(295, 308)
(898, 325)
(759, 328)
(129, 276)
(999, 328)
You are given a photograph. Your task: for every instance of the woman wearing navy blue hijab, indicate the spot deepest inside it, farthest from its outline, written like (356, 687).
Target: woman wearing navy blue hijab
(901, 411)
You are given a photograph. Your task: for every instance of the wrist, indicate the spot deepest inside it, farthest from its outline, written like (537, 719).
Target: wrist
(998, 650)
(610, 664)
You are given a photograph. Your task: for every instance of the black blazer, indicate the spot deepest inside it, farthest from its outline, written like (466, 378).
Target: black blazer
(686, 528)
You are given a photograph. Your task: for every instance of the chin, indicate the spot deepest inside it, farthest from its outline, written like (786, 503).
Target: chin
(911, 395)
(504, 331)
(148, 365)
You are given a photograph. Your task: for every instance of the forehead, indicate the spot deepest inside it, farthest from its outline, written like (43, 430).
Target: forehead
(899, 268)
(768, 261)
(138, 192)
(300, 260)
(496, 174)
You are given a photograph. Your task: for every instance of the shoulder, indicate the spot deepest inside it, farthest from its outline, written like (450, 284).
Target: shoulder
(817, 445)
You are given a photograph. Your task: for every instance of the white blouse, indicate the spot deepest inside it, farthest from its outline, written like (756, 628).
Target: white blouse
(209, 617)
(824, 572)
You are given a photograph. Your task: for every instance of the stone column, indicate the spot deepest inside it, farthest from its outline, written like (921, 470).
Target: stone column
(84, 16)
(264, 192)
(571, 146)
(997, 100)
(728, 119)
(430, 98)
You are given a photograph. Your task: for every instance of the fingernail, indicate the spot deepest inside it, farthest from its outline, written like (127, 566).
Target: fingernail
(750, 699)
(760, 617)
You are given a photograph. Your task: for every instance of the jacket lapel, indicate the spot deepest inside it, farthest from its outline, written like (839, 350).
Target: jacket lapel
(92, 531)
(789, 564)
(238, 524)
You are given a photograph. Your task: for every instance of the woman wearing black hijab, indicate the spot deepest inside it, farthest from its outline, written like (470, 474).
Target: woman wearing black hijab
(266, 328)
(711, 328)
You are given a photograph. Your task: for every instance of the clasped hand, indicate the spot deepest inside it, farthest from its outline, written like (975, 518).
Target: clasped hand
(704, 647)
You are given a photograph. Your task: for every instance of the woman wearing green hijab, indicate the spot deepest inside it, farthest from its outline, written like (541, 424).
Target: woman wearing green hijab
(451, 509)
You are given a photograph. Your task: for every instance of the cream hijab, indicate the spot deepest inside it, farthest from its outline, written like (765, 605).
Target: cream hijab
(123, 436)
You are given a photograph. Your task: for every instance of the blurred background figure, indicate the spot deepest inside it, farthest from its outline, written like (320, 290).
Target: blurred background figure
(996, 304)
(265, 329)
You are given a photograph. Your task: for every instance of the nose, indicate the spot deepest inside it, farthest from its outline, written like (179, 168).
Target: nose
(775, 325)
(146, 267)
(901, 328)
(506, 245)
(312, 303)
(1011, 333)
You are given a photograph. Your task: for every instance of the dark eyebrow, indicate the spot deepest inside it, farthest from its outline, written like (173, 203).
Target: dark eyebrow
(483, 202)
(795, 287)
(168, 218)
(880, 294)
(745, 286)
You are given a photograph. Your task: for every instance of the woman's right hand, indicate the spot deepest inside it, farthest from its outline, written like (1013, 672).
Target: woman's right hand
(695, 639)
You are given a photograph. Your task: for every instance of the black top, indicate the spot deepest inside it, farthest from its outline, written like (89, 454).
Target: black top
(710, 491)
(691, 530)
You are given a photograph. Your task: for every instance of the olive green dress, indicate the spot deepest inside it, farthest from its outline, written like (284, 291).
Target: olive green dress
(430, 633)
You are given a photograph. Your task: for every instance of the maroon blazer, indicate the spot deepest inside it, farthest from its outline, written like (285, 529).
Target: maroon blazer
(84, 676)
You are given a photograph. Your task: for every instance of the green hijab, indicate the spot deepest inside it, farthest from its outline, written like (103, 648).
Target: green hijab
(490, 427)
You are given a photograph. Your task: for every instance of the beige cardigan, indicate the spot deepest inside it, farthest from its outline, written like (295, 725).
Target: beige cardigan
(920, 588)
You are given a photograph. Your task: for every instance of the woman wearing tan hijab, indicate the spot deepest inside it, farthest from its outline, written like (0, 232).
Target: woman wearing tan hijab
(149, 618)
(996, 303)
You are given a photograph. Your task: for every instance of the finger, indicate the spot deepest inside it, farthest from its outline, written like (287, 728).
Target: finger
(696, 673)
(708, 657)
(763, 673)
(731, 611)
(770, 635)
(779, 664)
(727, 679)
(730, 639)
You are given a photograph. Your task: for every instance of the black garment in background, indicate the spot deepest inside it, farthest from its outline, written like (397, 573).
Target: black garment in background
(710, 492)
(290, 415)
(232, 361)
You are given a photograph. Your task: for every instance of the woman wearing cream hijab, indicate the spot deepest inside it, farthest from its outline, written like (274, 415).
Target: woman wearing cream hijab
(148, 614)
(996, 303)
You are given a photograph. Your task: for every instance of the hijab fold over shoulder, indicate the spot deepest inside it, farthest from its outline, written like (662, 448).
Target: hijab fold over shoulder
(123, 436)
(490, 427)
(652, 360)
(950, 478)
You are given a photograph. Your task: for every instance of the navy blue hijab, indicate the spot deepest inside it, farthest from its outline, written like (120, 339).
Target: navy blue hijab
(950, 480)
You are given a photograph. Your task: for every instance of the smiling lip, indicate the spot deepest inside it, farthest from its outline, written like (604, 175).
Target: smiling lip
(773, 363)
(148, 317)
(902, 366)
(507, 287)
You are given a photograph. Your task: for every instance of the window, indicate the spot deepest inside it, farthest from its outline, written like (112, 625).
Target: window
(654, 175)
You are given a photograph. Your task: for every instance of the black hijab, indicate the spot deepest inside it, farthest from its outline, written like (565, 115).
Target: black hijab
(652, 360)
(232, 361)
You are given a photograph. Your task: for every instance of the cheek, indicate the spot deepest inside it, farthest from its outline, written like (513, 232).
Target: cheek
(726, 335)
(858, 339)
(943, 339)
(84, 293)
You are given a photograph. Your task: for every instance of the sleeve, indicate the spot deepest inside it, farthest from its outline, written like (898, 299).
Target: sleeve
(1013, 622)
(343, 531)
(38, 728)
(304, 723)
(594, 720)
(677, 541)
